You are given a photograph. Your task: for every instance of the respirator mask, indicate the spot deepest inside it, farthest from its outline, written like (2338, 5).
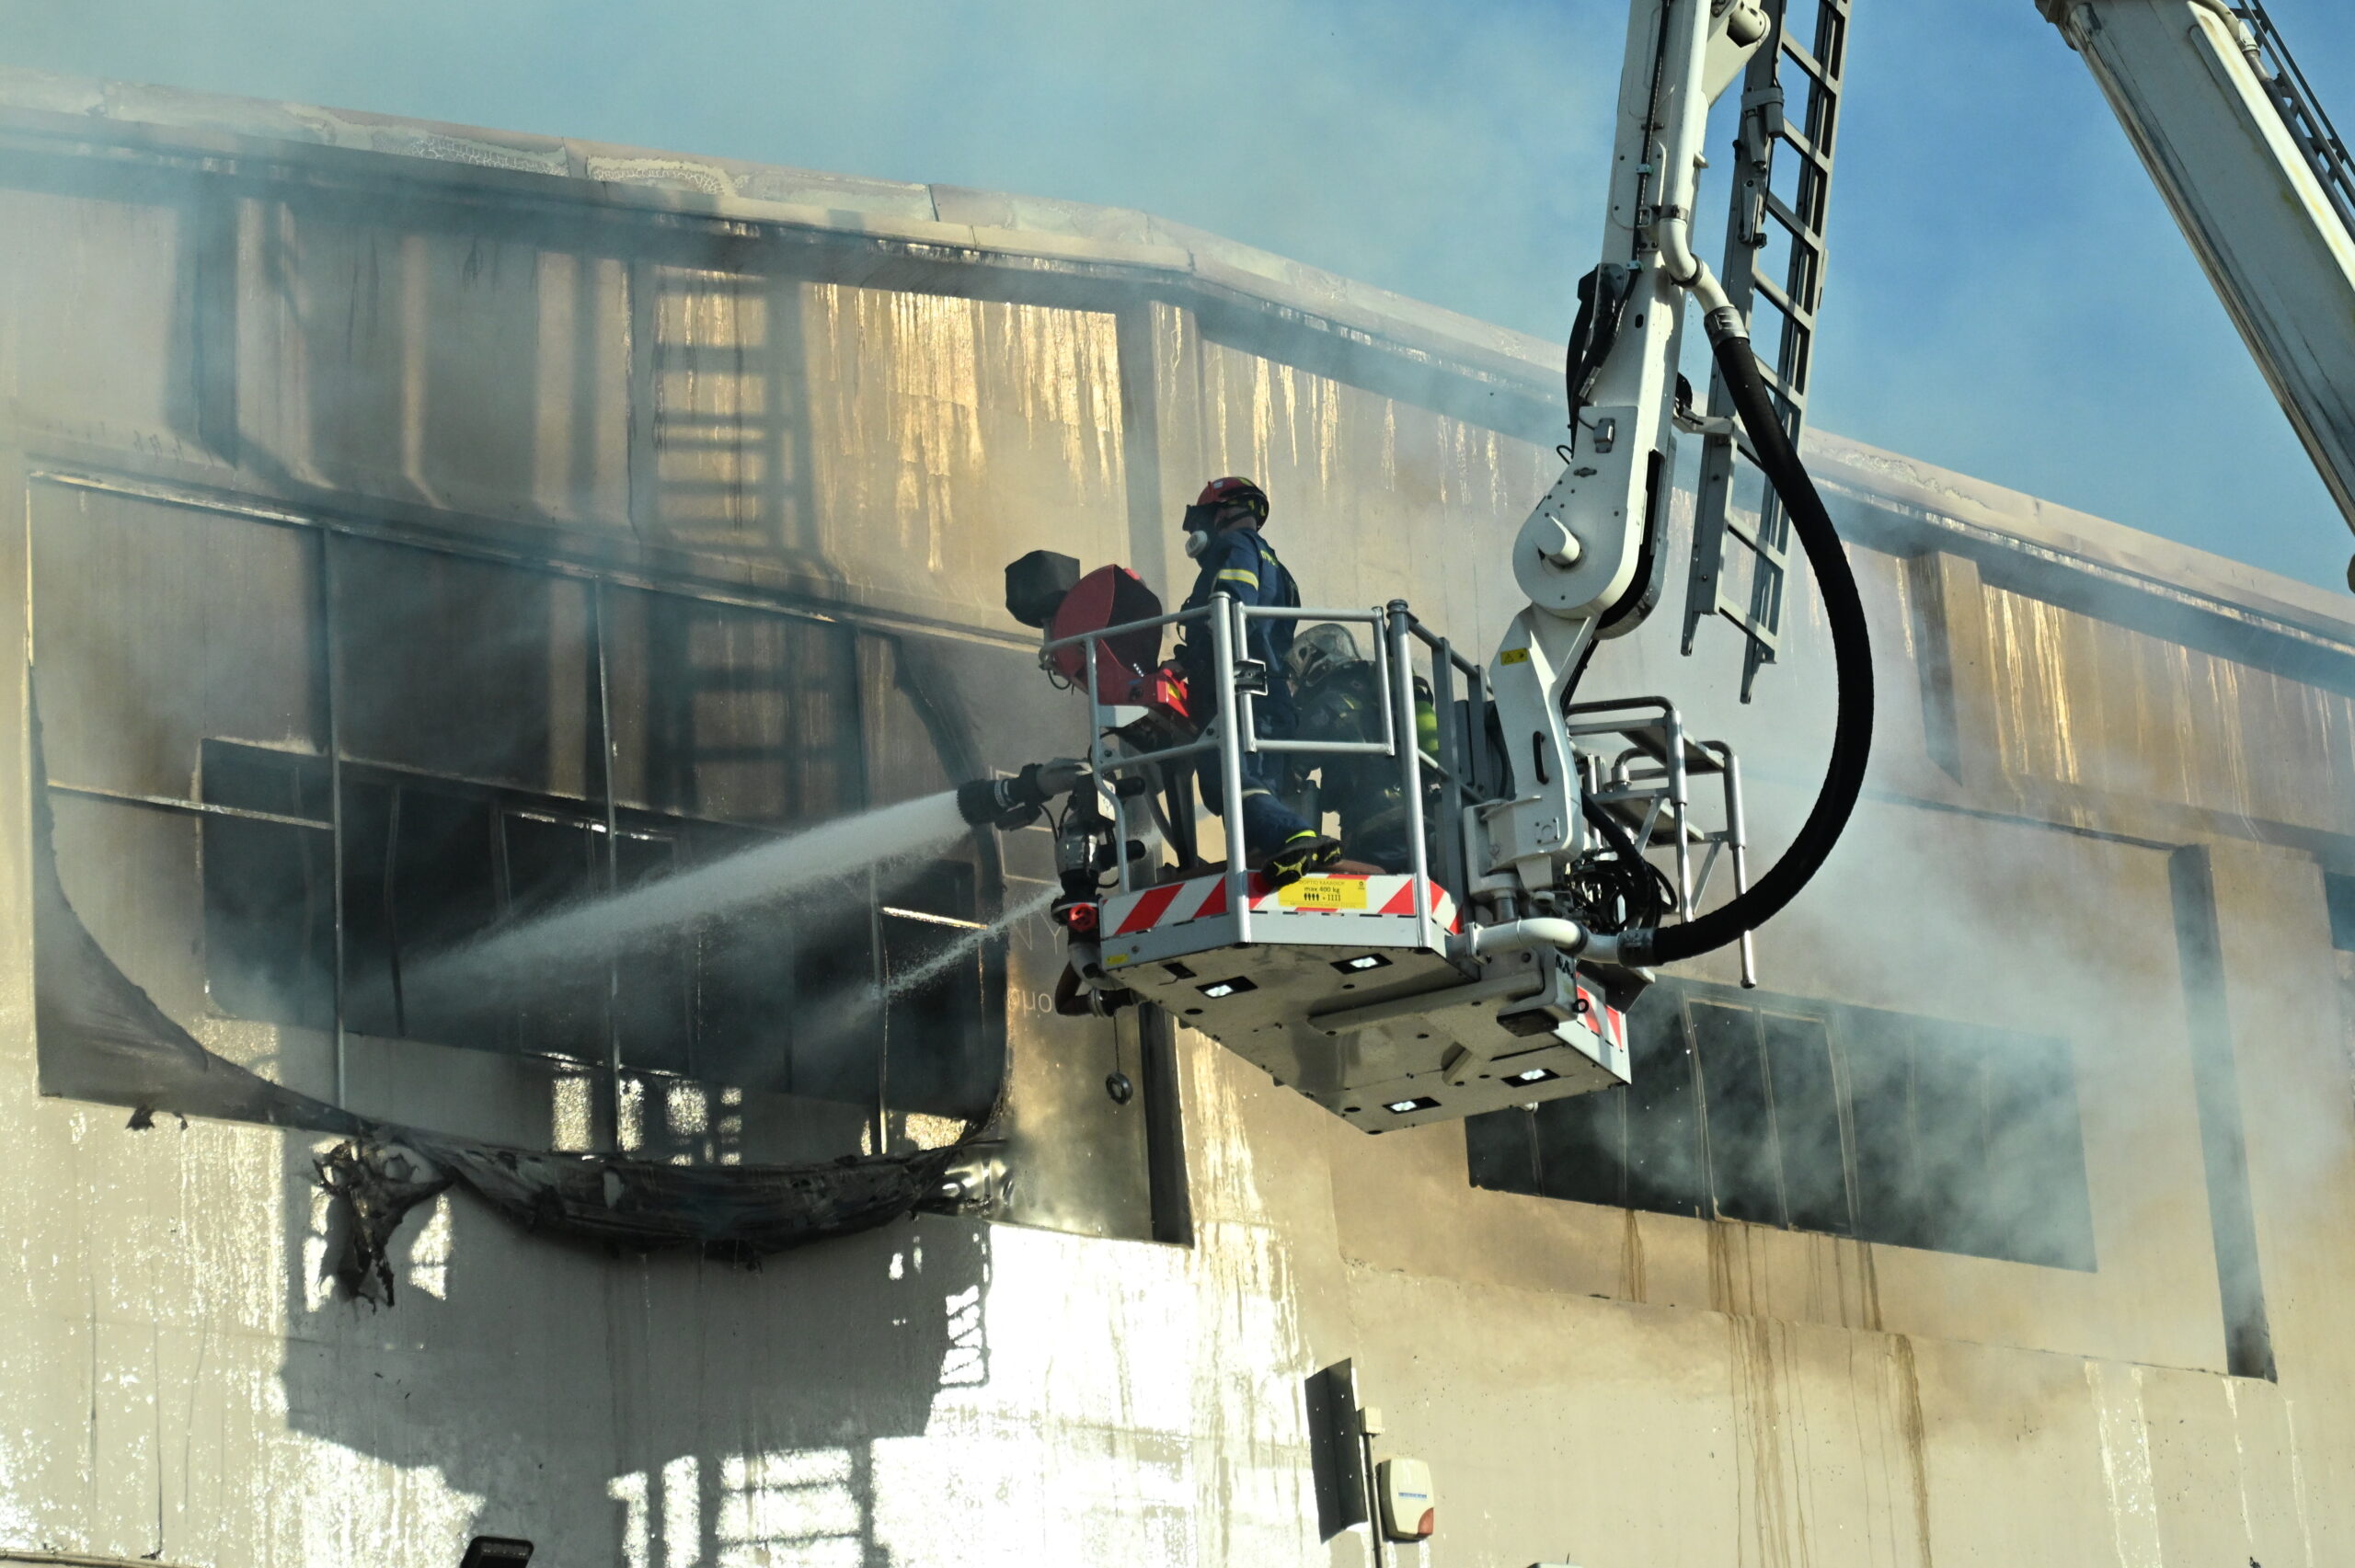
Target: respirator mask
(1201, 526)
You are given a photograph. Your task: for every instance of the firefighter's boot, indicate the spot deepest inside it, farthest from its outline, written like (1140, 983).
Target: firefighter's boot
(1303, 854)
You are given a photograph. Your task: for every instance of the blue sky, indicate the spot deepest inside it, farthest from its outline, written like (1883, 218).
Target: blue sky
(2006, 294)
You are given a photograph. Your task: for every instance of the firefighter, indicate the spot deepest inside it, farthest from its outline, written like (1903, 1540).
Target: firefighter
(1222, 534)
(1338, 696)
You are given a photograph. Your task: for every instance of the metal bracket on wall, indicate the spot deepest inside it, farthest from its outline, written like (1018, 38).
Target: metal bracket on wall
(1760, 218)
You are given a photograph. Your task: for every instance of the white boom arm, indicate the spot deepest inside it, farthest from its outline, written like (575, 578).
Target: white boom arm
(2187, 81)
(1589, 556)
(1505, 979)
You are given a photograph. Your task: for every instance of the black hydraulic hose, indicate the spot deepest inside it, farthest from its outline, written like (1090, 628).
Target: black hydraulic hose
(1608, 826)
(1640, 889)
(1852, 735)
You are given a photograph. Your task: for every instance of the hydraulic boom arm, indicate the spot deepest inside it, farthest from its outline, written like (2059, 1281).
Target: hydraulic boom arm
(2258, 183)
(1591, 556)
(1490, 962)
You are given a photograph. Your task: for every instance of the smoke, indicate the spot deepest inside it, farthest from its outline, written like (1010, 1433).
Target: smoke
(1455, 154)
(1452, 154)
(1449, 155)
(2019, 913)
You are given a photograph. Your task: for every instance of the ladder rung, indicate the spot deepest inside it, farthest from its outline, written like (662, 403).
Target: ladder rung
(741, 358)
(671, 440)
(1804, 146)
(732, 678)
(671, 419)
(1765, 636)
(1830, 47)
(1774, 555)
(1805, 59)
(1792, 310)
(1759, 621)
(1800, 229)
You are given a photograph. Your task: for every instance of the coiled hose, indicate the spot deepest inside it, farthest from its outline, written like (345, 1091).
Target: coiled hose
(1852, 735)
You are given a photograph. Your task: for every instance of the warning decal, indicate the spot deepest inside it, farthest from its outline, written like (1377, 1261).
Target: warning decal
(1324, 893)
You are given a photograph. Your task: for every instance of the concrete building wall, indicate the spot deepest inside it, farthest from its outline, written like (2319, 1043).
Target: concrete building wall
(240, 340)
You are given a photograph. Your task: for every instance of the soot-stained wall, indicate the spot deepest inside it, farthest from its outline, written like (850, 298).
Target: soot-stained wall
(341, 437)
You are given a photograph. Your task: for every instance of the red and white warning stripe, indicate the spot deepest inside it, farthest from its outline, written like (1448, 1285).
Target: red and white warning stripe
(1182, 903)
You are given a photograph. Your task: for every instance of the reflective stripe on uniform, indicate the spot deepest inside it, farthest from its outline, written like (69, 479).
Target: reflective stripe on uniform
(1238, 574)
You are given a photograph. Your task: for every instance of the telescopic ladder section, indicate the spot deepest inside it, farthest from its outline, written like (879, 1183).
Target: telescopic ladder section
(1761, 217)
(2230, 134)
(2301, 111)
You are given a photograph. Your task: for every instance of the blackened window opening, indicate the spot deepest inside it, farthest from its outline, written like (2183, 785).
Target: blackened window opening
(2339, 893)
(1849, 1121)
(779, 998)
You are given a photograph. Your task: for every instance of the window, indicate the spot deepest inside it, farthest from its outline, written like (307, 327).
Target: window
(2338, 892)
(345, 747)
(219, 694)
(753, 999)
(1851, 1121)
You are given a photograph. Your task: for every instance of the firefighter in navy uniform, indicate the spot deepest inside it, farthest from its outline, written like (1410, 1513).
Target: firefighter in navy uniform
(1222, 534)
(1338, 696)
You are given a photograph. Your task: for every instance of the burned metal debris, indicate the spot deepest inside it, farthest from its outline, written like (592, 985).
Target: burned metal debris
(374, 1186)
(104, 1039)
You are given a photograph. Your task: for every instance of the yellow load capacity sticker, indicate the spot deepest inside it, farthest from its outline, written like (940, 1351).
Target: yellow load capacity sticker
(1323, 893)
(1513, 656)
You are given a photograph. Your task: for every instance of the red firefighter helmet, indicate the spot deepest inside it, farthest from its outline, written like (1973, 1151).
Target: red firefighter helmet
(1232, 492)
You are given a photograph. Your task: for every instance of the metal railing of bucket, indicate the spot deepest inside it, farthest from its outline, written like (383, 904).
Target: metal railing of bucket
(1463, 772)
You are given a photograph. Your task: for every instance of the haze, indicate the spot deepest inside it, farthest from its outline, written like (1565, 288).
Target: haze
(2006, 297)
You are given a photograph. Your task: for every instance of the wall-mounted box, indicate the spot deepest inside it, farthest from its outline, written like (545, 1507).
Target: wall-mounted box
(1408, 1510)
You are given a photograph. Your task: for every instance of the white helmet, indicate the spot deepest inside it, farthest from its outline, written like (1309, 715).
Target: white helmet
(1319, 650)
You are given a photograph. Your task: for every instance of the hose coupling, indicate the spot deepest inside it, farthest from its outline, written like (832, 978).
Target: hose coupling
(1016, 802)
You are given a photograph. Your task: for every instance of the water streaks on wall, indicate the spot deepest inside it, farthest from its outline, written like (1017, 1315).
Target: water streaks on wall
(762, 467)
